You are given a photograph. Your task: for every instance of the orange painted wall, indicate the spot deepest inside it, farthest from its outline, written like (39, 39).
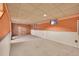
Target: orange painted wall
(66, 24)
(25, 29)
(5, 22)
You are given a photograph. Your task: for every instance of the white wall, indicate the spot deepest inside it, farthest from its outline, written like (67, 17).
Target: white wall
(78, 30)
(5, 45)
(67, 38)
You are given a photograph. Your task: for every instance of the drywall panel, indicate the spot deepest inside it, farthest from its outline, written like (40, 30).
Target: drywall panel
(78, 31)
(67, 38)
(5, 45)
(78, 27)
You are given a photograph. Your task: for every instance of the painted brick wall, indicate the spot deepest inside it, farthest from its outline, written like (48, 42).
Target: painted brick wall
(21, 29)
(66, 25)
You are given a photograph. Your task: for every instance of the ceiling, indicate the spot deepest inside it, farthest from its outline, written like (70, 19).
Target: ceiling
(34, 13)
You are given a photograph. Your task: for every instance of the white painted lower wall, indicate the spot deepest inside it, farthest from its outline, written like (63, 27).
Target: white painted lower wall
(5, 45)
(67, 38)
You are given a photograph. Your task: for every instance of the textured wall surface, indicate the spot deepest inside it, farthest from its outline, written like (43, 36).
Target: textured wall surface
(5, 23)
(67, 25)
(21, 29)
(67, 38)
(5, 45)
(5, 34)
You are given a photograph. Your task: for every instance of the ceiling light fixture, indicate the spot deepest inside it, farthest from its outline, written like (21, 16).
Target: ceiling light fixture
(45, 15)
(53, 22)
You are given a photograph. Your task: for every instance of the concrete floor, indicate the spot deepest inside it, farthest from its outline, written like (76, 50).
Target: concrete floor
(42, 47)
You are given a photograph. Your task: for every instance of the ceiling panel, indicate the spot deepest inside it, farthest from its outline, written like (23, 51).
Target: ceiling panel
(33, 13)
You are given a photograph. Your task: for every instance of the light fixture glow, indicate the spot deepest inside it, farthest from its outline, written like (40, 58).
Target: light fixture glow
(45, 15)
(53, 22)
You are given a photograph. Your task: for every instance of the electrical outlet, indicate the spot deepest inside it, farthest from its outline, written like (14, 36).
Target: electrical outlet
(76, 41)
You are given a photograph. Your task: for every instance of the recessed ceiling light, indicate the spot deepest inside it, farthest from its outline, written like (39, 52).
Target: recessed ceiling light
(45, 15)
